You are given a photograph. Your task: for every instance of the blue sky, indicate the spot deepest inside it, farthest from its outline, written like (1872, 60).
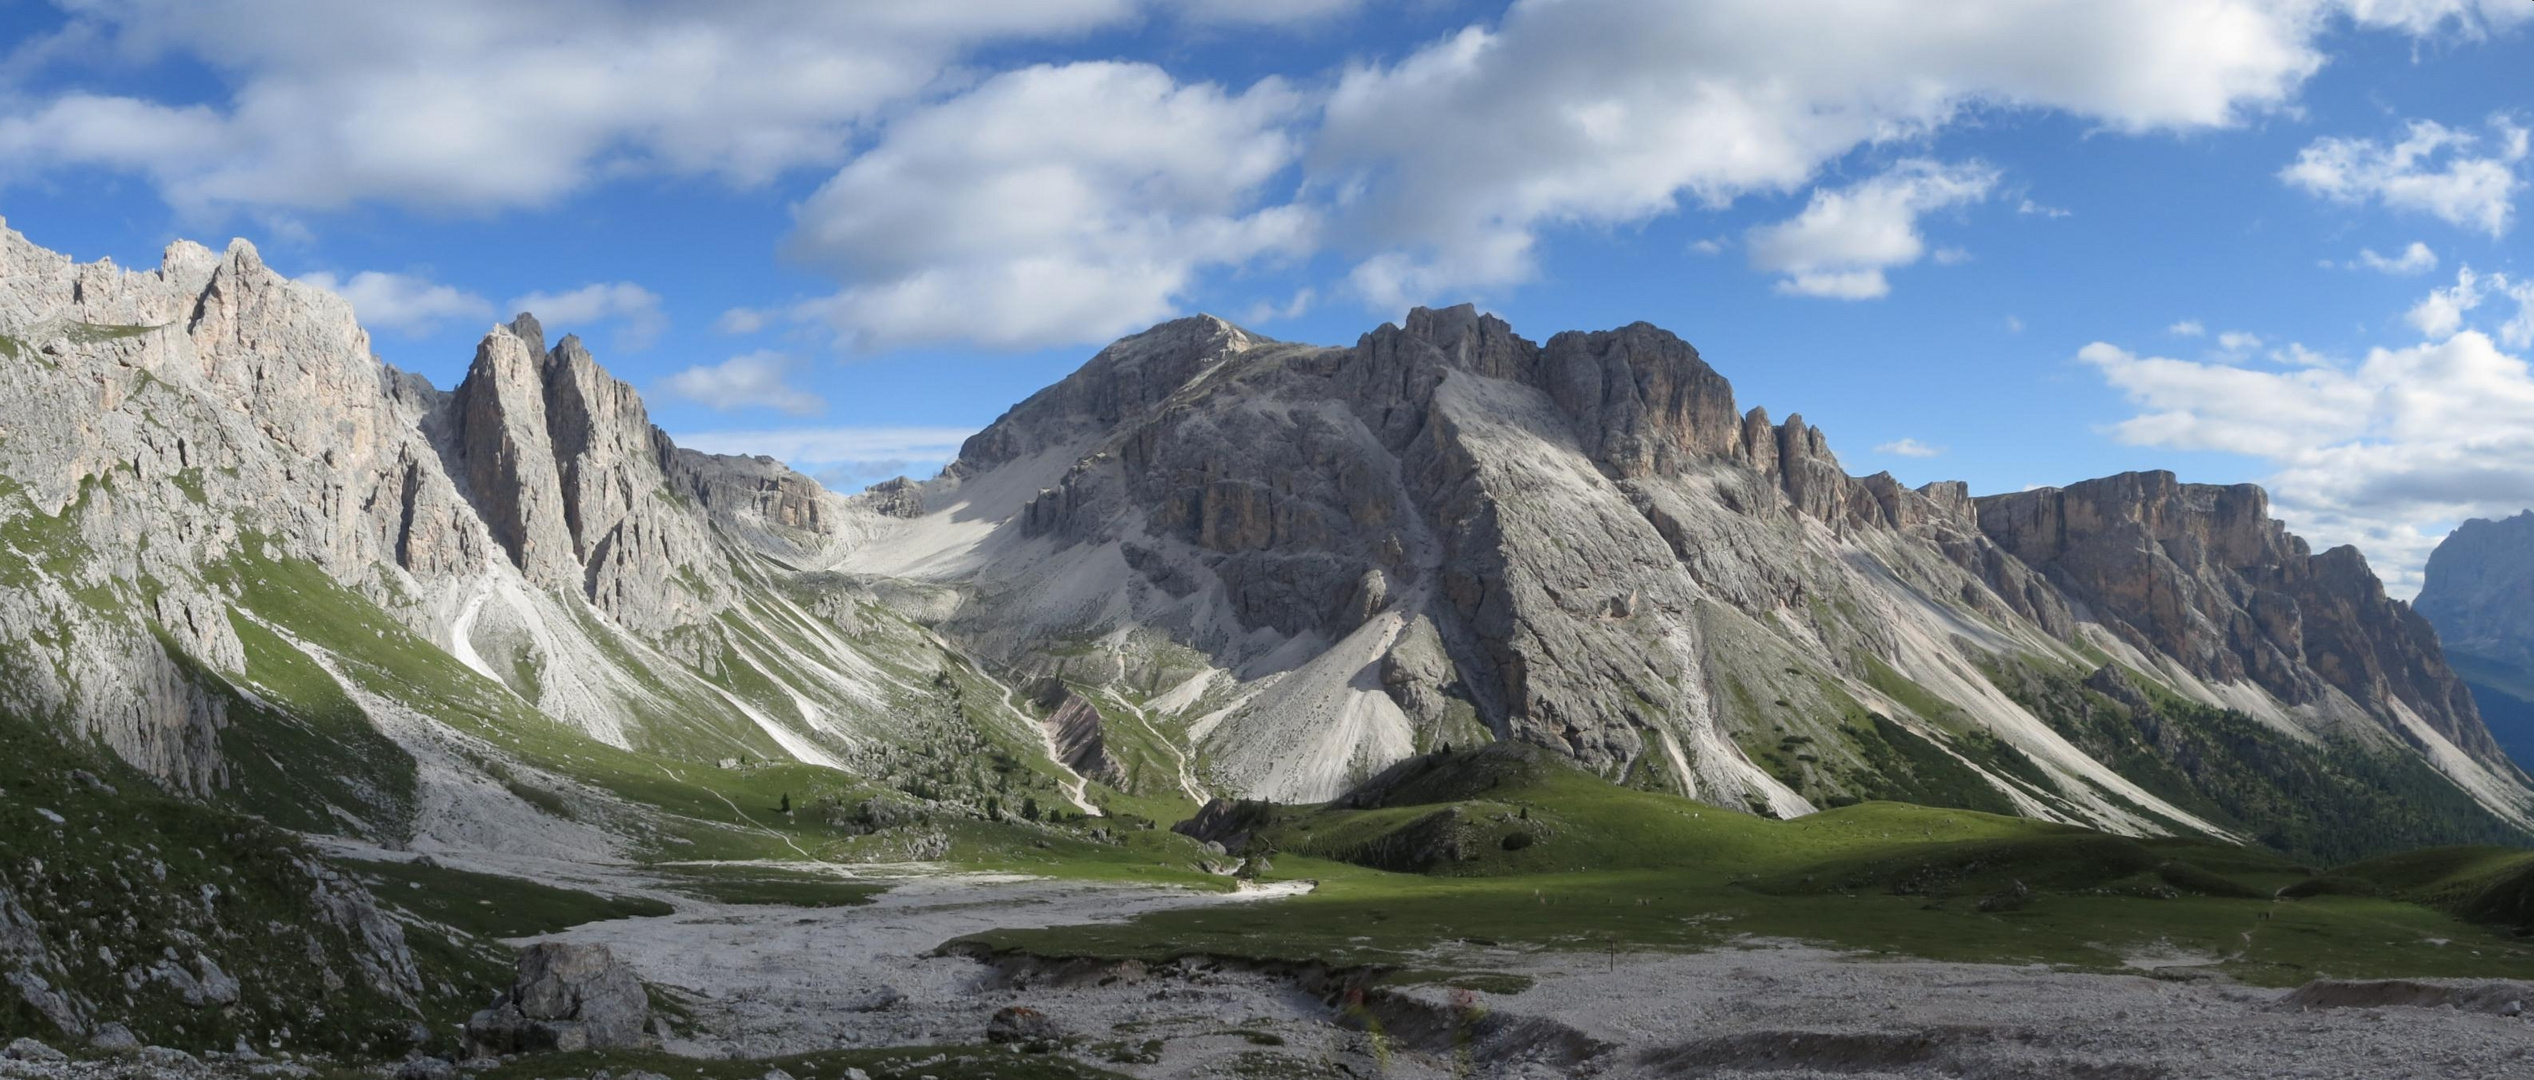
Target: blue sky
(2013, 242)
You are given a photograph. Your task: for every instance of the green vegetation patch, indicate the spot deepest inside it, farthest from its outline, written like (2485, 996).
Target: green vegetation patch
(2328, 803)
(492, 906)
(902, 1063)
(127, 887)
(1614, 869)
(761, 885)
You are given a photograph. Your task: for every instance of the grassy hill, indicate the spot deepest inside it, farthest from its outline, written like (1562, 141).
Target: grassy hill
(1505, 846)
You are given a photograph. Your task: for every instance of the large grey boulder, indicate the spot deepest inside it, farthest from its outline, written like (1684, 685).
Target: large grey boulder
(565, 997)
(30, 1050)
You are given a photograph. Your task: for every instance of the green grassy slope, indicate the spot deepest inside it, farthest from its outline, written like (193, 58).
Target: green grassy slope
(1428, 861)
(116, 877)
(2328, 803)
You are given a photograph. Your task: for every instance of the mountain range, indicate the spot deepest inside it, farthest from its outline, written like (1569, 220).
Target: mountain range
(276, 574)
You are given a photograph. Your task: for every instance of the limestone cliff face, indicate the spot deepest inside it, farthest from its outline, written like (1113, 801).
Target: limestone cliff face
(1262, 568)
(2479, 589)
(168, 436)
(1448, 531)
(2203, 574)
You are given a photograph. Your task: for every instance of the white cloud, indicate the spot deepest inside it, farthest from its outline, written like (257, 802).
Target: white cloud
(2470, 19)
(1052, 205)
(1711, 246)
(2188, 328)
(2443, 312)
(2430, 170)
(1844, 240)
(743, 320)
(405, 303)
(2030, 207)
(1909, 448)
(1450, 162)
(2235, 341)
(760, 379)
(1267, 311)
(1256, 12)
(2415, 259)
(487, 104)
(2375, 453)
(634, 310)
(2380, 452)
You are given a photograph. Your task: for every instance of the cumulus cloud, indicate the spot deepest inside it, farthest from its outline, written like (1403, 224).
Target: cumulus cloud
(1909, 448)
(632, 309)
(1442, 168)
(1844, 239)
(1449, 162)
(485, 104)
(2188, 328)
(405, 303)
(2444, 311)
(743, 320)
(761, 379)
(2415, 259)
(2236, 341)
(2379, 452)
(2470, 19)
(1052, 205)
(2367, 453)
(1266, 311)
(1253, 13)
(2433, 169)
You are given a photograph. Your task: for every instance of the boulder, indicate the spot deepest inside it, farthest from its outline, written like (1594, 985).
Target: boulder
(1024, 1027)
(114, 1039)
(565, 997)
(427, 1068)
(29, 1050)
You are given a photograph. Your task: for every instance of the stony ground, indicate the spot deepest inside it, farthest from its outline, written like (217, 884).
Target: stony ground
(769, 980)
(782, 980)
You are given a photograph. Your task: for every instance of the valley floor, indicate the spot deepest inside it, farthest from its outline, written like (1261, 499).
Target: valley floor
(763, 981)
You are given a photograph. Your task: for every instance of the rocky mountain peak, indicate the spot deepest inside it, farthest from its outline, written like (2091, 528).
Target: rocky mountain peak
(508, 454)
(562, 462)
(2479, 589)
(1123, 381)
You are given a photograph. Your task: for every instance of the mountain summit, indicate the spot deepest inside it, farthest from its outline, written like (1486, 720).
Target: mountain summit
(277, 574)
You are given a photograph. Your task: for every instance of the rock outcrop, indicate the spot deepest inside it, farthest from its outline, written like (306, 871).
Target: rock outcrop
(566, 998)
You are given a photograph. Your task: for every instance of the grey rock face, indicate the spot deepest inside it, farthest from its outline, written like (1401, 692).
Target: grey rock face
(1315, 562)
(1585, 545)
(566, 997)
(2203, 574)
(2479, 589)
(1076, 728)
(31, 1050)
(25, 961)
